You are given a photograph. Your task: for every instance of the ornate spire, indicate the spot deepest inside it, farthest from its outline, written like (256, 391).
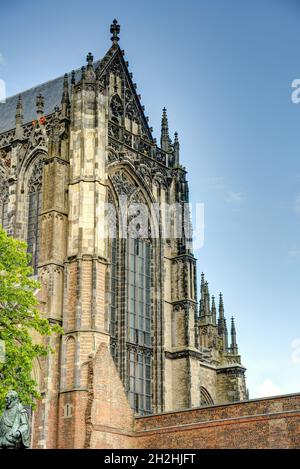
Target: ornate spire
(202, 293)
(19, 119)
(206, 300)
(213, 311)
(221, 319)
(221, 306)
(176, 149)
(202, 281)
(234, 347)
(225, 337)
(65, 102)
(90, 60)
(73, 77)
(165, 139)
(19, 110)
(115, 30)
(40, 104)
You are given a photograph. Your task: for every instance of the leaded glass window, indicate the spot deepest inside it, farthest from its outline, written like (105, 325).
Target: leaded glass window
(34, 208)
(113, 298)
(140, 381)
(139, 324)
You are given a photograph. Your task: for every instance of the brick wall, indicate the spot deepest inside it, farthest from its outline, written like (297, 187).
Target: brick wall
(261, 423)
(109, 418)
(258, 423)
(101, 417)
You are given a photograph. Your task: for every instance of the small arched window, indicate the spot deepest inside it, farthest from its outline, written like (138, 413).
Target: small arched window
(34, 208)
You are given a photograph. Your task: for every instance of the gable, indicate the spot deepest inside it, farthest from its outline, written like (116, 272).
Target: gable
(114, 63)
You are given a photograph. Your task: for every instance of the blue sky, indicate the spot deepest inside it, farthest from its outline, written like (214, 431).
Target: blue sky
(224, 71)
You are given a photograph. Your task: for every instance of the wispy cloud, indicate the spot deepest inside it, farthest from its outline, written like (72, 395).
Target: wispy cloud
(235, 198)
(267, 388)
(2, 61)
(231, 197)
(217, 182)
(297, 204)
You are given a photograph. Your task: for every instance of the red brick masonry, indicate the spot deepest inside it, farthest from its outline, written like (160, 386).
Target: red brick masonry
(258, 423)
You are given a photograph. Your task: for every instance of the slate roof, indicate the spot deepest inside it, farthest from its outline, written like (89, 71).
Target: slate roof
(52, 92)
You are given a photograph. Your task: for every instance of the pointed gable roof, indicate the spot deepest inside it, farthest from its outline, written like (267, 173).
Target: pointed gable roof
(52, 92)
(114, 61)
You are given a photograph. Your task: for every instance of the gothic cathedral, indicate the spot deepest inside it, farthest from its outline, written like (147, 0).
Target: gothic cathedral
(71, 149)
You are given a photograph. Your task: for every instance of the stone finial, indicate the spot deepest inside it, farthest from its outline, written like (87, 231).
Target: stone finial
(176, 149)
(65, 102)
(19, 111)
(73, 77)
(19, 118)
(82, 73)
(115, 30)
(164, 139)
(202, 279)
(213, 311)
(66, 84)
(221, 319)
(90, 74)
(207, 300)
(221, 305)
(234, 347)
(202, 293)
(40, 104)
(225, 337)
(89, 59)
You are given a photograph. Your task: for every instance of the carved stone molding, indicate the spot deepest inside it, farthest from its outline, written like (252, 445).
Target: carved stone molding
(122, 184)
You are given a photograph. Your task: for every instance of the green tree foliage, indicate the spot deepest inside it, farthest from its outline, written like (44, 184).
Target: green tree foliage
(19, 321)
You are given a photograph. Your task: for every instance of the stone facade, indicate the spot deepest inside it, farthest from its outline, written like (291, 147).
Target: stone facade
(83, 144)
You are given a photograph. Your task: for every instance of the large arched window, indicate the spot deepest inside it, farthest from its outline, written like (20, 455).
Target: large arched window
(34, 208)
(130, 295)
(113, 299)
(139, 338)
(133, 310)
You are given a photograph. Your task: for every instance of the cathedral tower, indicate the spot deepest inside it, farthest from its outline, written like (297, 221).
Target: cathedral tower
(79, 171)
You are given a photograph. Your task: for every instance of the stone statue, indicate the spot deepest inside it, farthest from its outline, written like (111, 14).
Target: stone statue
(14, 424)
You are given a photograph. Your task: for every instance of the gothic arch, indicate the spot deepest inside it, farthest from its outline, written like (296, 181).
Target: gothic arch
(205, 397)
(138, 186)
(25, 173)
(34, 207)
(28, 163)
(140, 323)
(128, 168)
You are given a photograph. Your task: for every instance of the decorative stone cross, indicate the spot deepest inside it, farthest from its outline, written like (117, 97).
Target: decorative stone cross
(115, 30)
